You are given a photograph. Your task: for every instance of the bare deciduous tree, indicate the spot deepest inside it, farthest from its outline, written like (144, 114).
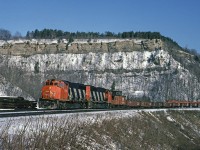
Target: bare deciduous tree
(5, 34)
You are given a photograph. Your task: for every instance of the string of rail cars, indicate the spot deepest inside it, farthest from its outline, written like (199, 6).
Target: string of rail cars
(61, 94)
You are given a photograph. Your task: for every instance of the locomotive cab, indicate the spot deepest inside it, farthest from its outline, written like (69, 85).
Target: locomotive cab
(54, 90)
(118, 99)
(108, 96)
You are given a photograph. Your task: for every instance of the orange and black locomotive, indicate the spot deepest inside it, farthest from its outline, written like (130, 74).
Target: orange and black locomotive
(61, 94)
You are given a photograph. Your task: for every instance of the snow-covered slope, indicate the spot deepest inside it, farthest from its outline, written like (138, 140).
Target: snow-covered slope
(8, 89)
(122, 129)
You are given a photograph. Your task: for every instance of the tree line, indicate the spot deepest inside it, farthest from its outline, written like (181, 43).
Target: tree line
(52, 34)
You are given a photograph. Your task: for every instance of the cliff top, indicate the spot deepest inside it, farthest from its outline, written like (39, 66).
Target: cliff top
(42, 46)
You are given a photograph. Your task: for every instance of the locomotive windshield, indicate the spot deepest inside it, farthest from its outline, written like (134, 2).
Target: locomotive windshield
(47, 82)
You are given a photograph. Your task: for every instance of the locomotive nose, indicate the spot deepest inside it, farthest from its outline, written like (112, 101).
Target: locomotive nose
(48, 93)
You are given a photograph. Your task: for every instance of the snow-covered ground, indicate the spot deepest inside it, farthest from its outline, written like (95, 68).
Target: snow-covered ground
(16, 123)
(161, 128)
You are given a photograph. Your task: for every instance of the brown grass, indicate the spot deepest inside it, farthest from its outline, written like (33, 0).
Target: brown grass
(148, 130)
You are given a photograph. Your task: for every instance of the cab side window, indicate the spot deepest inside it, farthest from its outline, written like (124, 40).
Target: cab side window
(61, 85)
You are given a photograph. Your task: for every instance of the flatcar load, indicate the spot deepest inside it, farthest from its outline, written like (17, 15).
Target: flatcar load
(14, 102)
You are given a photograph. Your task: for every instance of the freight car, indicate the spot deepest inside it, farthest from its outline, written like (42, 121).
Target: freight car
(13, 102)
(166, 104)
(61, 94)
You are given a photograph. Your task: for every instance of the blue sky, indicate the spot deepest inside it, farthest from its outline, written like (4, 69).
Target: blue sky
(177, 19)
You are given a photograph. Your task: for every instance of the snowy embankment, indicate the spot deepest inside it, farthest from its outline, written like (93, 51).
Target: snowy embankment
(122, 129)
(17, 123)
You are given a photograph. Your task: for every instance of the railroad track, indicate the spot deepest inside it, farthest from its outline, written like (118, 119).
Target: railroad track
(18, 113)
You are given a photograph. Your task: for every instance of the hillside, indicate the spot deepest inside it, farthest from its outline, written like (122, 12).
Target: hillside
(122, 129)
(147, 69)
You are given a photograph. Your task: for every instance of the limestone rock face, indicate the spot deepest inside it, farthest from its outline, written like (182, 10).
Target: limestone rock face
(142, 69)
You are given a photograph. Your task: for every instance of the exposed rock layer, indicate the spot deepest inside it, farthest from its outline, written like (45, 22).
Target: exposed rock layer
(142, 69)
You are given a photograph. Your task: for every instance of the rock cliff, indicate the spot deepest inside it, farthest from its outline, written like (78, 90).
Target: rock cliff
(142, 69)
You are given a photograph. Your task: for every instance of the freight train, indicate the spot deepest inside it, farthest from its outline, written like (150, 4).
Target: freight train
(61, 94)
(14, 102)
